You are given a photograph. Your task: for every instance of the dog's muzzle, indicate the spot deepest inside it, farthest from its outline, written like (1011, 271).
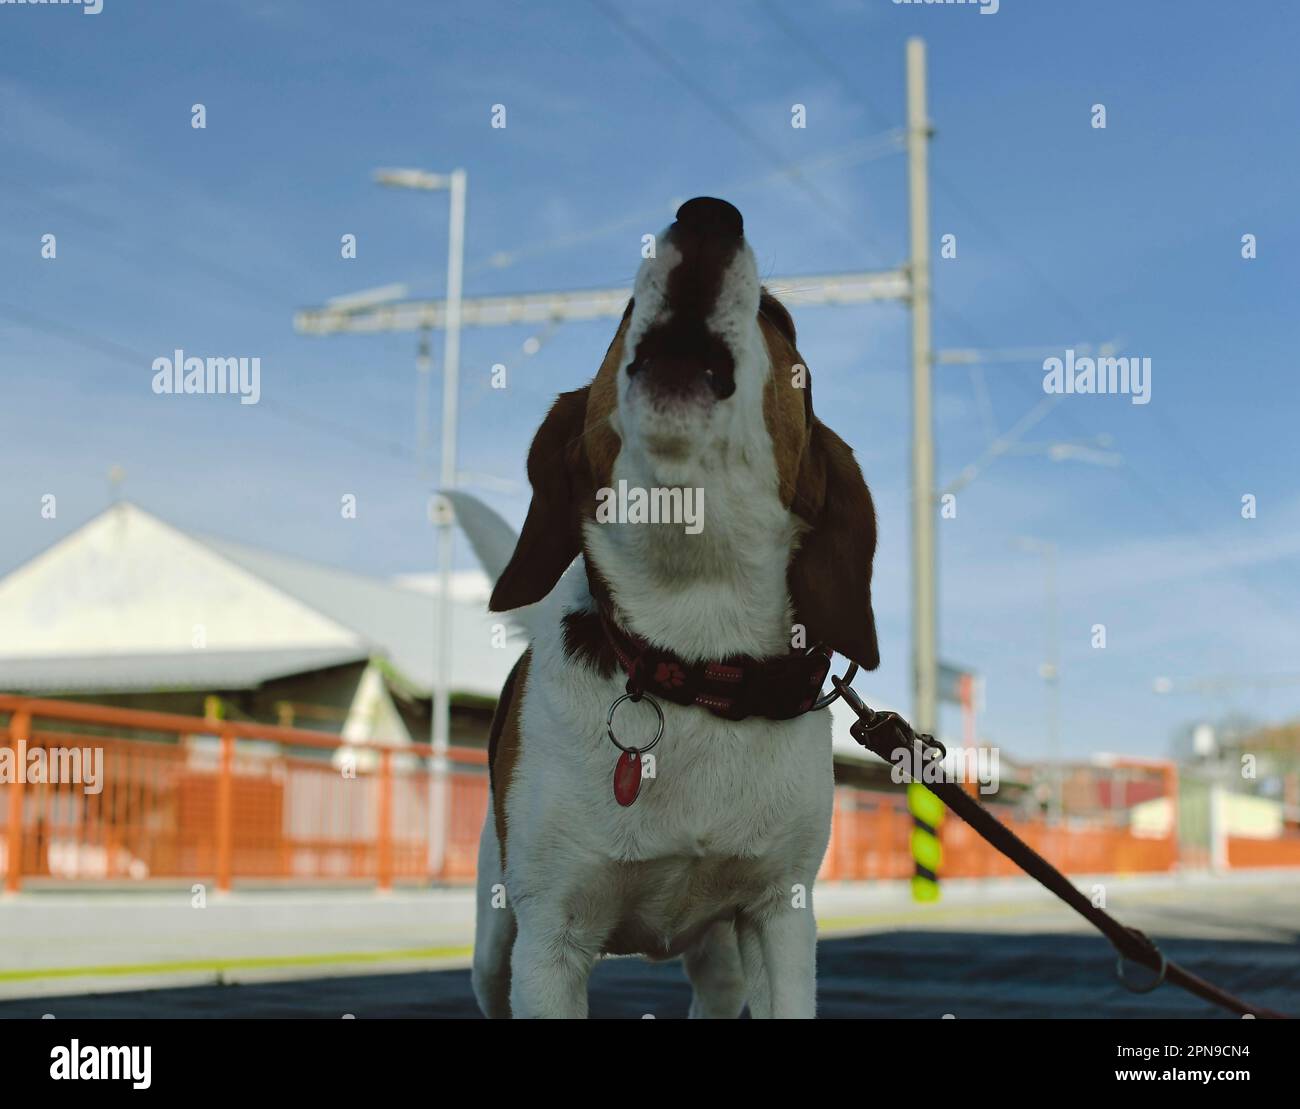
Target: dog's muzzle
(679, 355)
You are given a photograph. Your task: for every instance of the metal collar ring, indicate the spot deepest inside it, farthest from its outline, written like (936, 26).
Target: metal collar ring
(609, 721)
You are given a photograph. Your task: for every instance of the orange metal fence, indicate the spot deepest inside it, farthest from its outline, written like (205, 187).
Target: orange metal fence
(871, 838)
(223, 799)
(232, 800)
(1246, 853)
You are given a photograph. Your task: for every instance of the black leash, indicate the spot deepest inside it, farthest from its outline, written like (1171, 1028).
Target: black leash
(884, 733)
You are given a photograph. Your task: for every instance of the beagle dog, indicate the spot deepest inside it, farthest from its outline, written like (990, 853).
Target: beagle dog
(660, 781)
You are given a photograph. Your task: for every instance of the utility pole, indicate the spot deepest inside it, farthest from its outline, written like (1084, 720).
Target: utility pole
(924, 618)
(926, 810)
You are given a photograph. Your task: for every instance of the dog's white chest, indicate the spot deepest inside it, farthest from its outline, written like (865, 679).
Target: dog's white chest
(728, 815)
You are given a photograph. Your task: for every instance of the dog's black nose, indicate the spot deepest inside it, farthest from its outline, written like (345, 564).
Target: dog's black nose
(707, 215)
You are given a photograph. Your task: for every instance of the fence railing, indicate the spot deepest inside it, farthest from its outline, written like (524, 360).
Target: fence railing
(184, 797)
(223, 800)
(871, 838)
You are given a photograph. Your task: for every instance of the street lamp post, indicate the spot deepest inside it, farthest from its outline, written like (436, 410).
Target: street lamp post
(440, 508)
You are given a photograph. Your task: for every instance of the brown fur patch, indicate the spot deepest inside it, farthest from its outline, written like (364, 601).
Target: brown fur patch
(572, 455)
(585, 640)
(505, 740)
(830, 574)
(561, 481)
(601, 440)
(784, 407)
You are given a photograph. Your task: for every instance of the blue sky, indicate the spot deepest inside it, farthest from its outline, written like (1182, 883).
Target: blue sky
(209, 239)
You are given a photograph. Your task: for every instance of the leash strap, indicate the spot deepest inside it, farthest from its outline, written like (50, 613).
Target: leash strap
(884, 733)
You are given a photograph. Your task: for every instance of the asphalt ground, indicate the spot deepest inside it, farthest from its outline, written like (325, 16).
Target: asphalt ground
(1013, 955)
(966, 975)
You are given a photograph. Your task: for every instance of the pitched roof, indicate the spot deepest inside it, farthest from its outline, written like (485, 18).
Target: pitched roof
(128, 601)
(398, 614)
(152, 673)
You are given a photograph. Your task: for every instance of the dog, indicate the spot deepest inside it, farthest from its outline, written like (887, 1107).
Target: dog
(706, 843)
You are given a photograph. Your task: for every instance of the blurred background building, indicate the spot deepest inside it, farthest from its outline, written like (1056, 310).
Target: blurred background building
(131, 612)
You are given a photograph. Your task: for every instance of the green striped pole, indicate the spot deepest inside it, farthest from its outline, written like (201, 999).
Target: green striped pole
(927, 852)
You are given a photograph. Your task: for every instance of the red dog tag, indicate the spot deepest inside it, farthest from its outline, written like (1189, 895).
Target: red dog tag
(627, 778)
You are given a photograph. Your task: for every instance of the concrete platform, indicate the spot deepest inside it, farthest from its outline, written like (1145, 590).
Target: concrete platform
(992, 949)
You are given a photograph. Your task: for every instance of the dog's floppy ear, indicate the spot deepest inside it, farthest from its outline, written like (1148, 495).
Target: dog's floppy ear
(557, 471)
(830, 574)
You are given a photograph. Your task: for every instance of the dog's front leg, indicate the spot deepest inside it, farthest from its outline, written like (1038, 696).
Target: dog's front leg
(781, 943)
(549, 968)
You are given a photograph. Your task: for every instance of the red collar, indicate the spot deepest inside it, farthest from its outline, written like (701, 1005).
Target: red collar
(778, 688)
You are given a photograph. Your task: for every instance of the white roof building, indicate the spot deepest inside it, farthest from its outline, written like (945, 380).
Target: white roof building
(130, 604)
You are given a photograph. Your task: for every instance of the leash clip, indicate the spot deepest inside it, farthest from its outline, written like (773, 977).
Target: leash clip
(870, 721)
(840, 682)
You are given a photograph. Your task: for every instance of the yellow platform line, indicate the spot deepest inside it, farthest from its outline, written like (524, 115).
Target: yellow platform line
(245, 963)
(270, 962)
(924, 915)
